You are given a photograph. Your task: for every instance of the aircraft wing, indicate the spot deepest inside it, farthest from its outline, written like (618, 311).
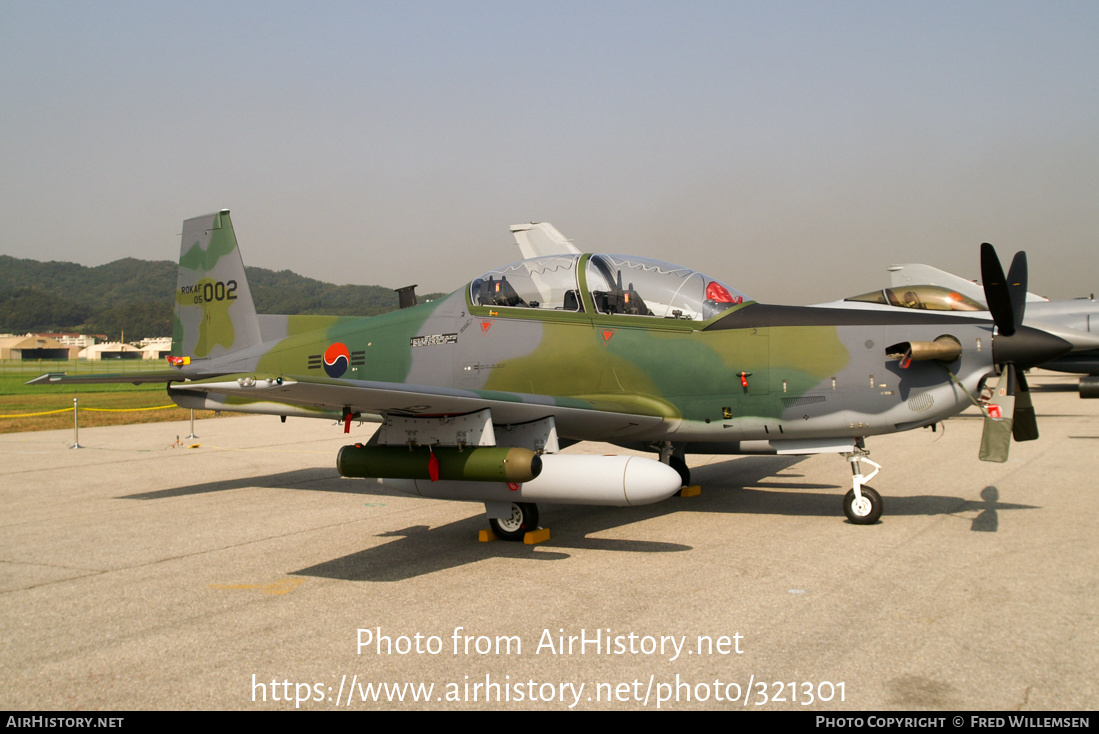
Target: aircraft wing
(597, 416)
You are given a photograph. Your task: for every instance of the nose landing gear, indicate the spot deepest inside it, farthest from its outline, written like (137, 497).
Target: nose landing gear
(862, 505)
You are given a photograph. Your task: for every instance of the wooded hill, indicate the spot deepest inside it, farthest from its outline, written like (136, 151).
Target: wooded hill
(138, 296)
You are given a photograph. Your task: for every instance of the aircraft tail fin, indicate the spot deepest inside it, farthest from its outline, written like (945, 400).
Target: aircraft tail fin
(541, 238)
(215, 314)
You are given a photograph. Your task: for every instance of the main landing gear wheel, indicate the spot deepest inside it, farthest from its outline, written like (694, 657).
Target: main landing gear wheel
(680, 465)
(523, 519)
(864, 511)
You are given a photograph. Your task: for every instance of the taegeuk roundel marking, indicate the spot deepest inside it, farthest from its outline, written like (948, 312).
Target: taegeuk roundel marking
(336, 359)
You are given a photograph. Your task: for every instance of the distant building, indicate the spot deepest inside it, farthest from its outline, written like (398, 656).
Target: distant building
(158, 348)
(79, 346)
(31, 346)
(76, 340)
(111, 351)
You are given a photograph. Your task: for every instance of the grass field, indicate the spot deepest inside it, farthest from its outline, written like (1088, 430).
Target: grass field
(45, 407)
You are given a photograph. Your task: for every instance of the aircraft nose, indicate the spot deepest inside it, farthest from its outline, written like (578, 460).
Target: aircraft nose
(1028, 347)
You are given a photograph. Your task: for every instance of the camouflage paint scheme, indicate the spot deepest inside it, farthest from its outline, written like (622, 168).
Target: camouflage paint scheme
(581, 355)
(811, 373)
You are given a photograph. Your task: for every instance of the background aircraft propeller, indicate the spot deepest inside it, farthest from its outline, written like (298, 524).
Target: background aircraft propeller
(1011, 411)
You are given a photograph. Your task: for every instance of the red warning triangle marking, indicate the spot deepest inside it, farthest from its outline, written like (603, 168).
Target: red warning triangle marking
(607, 334)
(485, 326)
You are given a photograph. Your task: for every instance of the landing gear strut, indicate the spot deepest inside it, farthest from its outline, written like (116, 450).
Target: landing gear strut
(523, 519)
(862, 505)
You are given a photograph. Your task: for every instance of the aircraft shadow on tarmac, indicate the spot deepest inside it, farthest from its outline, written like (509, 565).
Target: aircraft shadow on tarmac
(745, 492)
(743, 485)
(735, 487)
(321, 479)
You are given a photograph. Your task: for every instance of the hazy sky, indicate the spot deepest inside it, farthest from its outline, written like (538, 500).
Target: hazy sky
(792, 149)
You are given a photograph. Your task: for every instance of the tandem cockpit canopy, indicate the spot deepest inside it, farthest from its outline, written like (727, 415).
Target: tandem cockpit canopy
(608, 284)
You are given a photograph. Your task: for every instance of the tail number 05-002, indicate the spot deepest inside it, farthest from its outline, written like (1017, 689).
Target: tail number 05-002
(217, 291)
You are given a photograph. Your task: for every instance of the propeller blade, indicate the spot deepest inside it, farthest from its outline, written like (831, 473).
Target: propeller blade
(999, 418)
(1016, 287)
(1026, 420)
(996, 292)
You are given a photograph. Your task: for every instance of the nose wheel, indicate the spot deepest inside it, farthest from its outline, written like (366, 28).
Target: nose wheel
(862, 505)
(864, 509)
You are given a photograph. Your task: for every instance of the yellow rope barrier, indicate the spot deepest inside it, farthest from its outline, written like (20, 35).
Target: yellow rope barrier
(29, 415)
(97, 410)
(129, 410)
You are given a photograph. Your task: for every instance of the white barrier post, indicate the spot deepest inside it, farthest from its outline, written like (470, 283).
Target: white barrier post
(76, 427)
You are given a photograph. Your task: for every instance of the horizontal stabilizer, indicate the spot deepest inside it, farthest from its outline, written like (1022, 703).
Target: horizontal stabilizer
(135, 378)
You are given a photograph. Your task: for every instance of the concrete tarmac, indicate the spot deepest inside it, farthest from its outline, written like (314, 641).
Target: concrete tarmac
(239, 571)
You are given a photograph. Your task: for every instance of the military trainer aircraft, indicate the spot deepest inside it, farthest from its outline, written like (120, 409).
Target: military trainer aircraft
(478, 391)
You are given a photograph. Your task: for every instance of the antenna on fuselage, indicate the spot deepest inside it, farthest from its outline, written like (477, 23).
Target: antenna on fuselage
(406, 296)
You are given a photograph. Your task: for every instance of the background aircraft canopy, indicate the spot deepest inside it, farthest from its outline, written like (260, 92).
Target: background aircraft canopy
(618, 285)
(927, 297)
